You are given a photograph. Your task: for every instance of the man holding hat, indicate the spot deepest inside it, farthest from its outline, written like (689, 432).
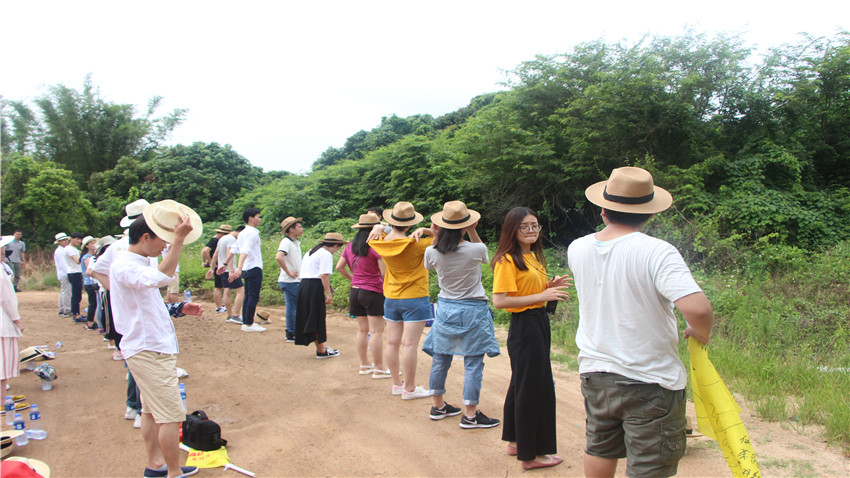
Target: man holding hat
(207, 254)
(288, 257)
(62, 240)
(631, 376)
(149, 343)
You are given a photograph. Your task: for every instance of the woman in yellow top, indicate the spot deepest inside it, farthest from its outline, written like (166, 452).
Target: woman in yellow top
(406, 305)
(520, 287)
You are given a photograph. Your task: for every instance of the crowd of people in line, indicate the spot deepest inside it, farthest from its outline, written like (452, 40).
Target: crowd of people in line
(627, 285)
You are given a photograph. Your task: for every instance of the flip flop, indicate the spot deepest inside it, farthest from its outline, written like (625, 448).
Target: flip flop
(367, 369)
(378, 373)
(19, 398)
(531, 465)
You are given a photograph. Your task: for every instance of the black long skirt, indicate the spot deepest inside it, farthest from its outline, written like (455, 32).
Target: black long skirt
(310, 313)
(529, 413)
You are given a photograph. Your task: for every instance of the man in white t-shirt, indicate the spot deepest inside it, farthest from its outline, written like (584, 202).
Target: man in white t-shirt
(218, 261)
(627, 284)
(75, 274)
(62, 240)
(288, 257)
(249, 267)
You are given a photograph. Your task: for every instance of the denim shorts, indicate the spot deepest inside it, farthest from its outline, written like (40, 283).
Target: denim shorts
(407, 310)
(642, 422)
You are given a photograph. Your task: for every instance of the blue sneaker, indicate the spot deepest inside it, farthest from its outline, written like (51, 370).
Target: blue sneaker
(163, 472)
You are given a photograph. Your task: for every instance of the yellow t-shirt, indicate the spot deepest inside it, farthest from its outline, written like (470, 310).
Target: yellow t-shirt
(406, 276)
(517, 283)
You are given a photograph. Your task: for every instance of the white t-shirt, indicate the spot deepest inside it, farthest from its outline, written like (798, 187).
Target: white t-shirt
(248, 243)
(292, 257)
(72, 266)
(59, 262)
(221, 251)
(103, 263)
(313, 266)
(626, 288)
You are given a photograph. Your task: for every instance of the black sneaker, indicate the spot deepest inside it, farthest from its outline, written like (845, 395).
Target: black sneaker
(162, 472)
(478, 421)
(290, 337)
(446, 411)
(328, 353)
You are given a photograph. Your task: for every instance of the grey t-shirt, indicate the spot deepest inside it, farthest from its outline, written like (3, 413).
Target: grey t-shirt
(459, 272)
(14, 249)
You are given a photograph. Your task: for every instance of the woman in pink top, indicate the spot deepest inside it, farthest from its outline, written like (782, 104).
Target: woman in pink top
(366, 298)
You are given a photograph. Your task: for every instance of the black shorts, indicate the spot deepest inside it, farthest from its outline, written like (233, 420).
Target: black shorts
(362, 302)
(237, 284)
(217, 282)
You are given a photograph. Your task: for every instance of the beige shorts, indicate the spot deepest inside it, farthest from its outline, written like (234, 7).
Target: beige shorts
(156, 376)
(174, 286)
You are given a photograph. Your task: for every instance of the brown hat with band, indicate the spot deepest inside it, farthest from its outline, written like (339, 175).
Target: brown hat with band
(367, 221)
(224, 229)
(289, 221)
(402, 214)
(334, 238)
(629, 189)
(455, 215)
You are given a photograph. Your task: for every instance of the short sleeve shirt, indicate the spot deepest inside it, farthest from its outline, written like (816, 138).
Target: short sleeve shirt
(317, 264)
(221, 250)
(459, 271)
(507, 278)
(72, 265)
(365, 270)
(292, 257)
(406, 276)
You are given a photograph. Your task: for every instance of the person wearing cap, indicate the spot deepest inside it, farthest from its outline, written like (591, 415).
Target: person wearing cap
(61, 240)
(464, 322)
(406, 305)
(89, 244)
(222, 268)
(366, 296)
(10, 326)
(288, 257)
(315, 293)
(627, 284)
(75, 274)
(16, 257)
(520, 287)
(249, 267)
(149, 342)
(207, 254)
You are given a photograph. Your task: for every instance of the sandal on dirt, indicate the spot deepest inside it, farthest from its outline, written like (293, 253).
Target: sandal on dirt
(367, 369)
(19, 398)
(378, 373)
(530, 465)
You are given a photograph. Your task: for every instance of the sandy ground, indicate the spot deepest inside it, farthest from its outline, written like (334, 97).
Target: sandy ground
(285, 413)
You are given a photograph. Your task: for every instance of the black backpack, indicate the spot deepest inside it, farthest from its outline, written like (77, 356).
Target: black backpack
(201, 433)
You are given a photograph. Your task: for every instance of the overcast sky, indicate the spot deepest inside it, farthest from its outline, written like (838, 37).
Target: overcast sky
(283, 81)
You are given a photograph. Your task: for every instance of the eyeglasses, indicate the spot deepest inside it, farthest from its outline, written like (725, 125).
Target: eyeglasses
(529, 228)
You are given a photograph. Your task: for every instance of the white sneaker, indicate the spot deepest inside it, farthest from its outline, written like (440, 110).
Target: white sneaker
(181, 372)
(137, 422)
(253, 328)
(220, 310)
(417, 392)
(130, 414)
(397, 389)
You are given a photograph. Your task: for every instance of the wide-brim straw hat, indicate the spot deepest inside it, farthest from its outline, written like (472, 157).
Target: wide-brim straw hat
(284, 225)
(103, 242)
(33, 353)
(133, 210)
(402, 214)
(37, 466)
(367, 221)
(86, 240)
(60, 237)
(163, 216)
(334, 238)
(629, 189)
(224, 229)
(455, 215)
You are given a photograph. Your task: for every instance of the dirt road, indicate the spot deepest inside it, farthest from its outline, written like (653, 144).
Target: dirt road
(285, 413)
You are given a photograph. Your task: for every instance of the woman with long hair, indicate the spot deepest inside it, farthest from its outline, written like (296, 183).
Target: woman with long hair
(315, 293)
(89, 245)
(521, 288)
(406, 305)
(366, 297)
(464, 322)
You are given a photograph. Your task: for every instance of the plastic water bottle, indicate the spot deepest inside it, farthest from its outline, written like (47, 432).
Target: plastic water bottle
(35, 414)
(183, 397)
(21, 425)
(9, 407)
(59, 344)
(187, 295)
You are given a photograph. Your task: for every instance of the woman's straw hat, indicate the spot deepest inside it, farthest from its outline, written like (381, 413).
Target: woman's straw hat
(455, 215)
(402, 214)
(631, 190)
(334, 238)
(367, 221)
(163, 216)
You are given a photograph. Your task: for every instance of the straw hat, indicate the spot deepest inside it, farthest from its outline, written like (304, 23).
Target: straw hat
(103, 242)
(455, 215)
(163, 216)
(39, 467)
(402, 215)
(33, 353)
(334, 238)
(86, 240)
(367, 221)
(284, 225)
(133, 210)
(629, 189)
(60, 237)
(224, 229)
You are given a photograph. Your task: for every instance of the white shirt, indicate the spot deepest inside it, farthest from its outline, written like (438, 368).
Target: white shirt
(248, 243)
(626, 288)
(292, 257)
(9, 306)
(72, 266)
(139, 313)
(314, 266)
(103, 263)
(59, 262)
(221, 250)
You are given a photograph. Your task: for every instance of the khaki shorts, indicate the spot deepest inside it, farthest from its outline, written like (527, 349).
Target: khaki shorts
(156, 376)
(174, 286)
(642, 422)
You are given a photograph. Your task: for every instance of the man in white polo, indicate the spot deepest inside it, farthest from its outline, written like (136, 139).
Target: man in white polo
(149, 342)
(59, 262)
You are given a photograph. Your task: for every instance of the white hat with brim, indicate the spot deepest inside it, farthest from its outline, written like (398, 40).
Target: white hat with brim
(33, 353)
(38, 466)
(133, 210)
(6, 240)
(629, 189)
(163, 216)
(60, 237)
(86, 240)
(455, 215)
(402, 214)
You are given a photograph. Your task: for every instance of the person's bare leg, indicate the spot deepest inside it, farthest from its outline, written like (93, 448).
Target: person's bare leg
(376, 340)
(217, 297)
(598, 467)
(237, 304)
(395, 330)
(412, 333)
(150, 433)
(361, 340)
(169, 445)
(227, 298)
